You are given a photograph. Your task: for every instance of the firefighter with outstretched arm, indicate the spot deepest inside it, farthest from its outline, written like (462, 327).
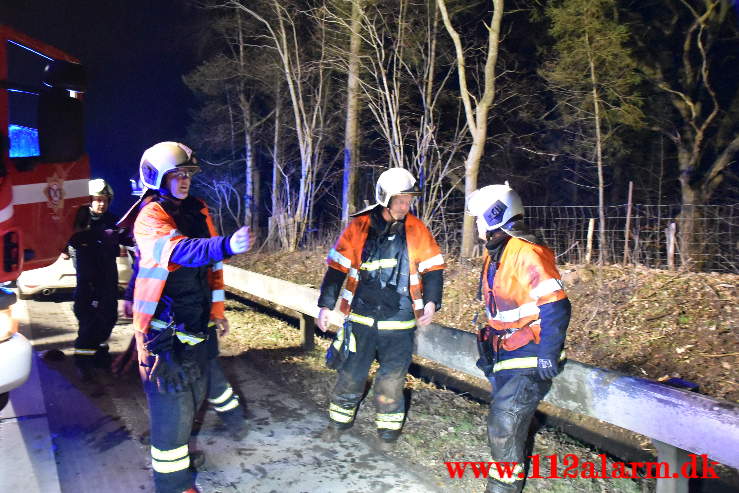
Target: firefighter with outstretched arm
(178, 305)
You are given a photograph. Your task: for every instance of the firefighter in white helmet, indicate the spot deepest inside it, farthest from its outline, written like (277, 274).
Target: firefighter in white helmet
(521, 347)
(94, 248)
(393, 270)
(178, 310)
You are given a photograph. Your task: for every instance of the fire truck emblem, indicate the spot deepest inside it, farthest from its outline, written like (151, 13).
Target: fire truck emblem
(54, 192)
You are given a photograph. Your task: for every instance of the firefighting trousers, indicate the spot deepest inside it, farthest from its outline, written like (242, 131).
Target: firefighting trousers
(96, 316)
(515, 396)
(393, 349)
(221, 395)
(171, 419)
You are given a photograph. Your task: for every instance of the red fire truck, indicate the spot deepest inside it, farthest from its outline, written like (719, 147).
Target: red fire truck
(44, 173)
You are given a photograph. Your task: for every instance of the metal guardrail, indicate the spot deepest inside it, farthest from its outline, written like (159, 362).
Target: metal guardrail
(679, 422)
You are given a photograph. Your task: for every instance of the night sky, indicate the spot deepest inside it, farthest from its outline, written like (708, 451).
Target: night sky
(135, 53)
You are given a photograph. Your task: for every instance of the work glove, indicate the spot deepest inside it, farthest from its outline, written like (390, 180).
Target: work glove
(547, 367)
(241, 241)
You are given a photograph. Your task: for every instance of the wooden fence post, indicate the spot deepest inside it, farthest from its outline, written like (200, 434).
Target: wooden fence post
(627, 228)
(589, 248)
(670, 232)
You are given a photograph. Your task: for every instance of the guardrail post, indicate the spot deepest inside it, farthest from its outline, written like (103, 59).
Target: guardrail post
(675, 458)
(307, 330)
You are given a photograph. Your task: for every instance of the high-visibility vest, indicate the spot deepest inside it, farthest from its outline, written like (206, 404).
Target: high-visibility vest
(156, 236)
(424, 255)
(525, 279)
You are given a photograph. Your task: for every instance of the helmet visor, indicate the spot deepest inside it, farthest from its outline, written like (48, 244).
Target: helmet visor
(414, 190)
(184, 171)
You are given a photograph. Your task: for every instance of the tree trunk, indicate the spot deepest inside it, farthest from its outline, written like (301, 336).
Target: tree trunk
(351, 134)
(602, 245)
(471, 171)
(245, 105)
(249, 218)
(690, 226)
(276, 164)
(256, 225)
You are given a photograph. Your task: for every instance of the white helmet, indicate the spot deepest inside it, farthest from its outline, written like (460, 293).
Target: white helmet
(494, 206)
(161, 158)
(394, 181)
(98, 187)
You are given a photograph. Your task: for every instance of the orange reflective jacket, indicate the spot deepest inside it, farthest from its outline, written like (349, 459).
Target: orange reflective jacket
(525, 279)
(156, 236)
(424, 255)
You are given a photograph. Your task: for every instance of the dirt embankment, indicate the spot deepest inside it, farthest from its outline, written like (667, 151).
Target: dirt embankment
(645, 322)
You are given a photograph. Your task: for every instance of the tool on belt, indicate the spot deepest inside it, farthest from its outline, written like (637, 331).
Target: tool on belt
(172, 371)
(486, 360)
(340, 347)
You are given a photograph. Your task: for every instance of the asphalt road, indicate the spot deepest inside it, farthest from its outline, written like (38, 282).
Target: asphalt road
(60, 434)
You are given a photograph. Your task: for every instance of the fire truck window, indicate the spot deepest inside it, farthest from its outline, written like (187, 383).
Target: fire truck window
(25, 69)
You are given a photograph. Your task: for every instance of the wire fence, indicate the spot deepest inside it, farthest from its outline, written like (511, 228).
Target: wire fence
(565, 229)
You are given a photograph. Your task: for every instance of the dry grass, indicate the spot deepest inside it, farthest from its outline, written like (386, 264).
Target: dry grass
(644, 322)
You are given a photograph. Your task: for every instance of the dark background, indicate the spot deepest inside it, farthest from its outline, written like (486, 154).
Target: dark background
(135, 53)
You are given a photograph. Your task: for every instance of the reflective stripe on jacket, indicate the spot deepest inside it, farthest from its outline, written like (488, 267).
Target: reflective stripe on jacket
(156, 236)
(525, 279)
(423, 252)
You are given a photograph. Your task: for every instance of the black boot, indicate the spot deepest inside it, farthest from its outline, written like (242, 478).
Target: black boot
(197, 459)
(86, 374)
(235, 423)
(102, 359)
(334, 430)
(494, 486)
(387, 438)
(85, 368)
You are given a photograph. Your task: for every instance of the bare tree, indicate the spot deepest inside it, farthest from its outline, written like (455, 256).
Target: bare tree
(220, 188)
(477, 117)
(306, 82)
(226, 123)
(401, 85)
(702, 118)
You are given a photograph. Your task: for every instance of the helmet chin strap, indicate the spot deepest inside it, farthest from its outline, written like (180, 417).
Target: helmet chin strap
(165, 193)
(496, 242)
(388, 227)
(518, 229)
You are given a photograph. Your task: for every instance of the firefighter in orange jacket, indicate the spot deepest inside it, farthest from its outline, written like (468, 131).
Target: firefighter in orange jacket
(528, 312)
(178, 304)
(393, 270)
